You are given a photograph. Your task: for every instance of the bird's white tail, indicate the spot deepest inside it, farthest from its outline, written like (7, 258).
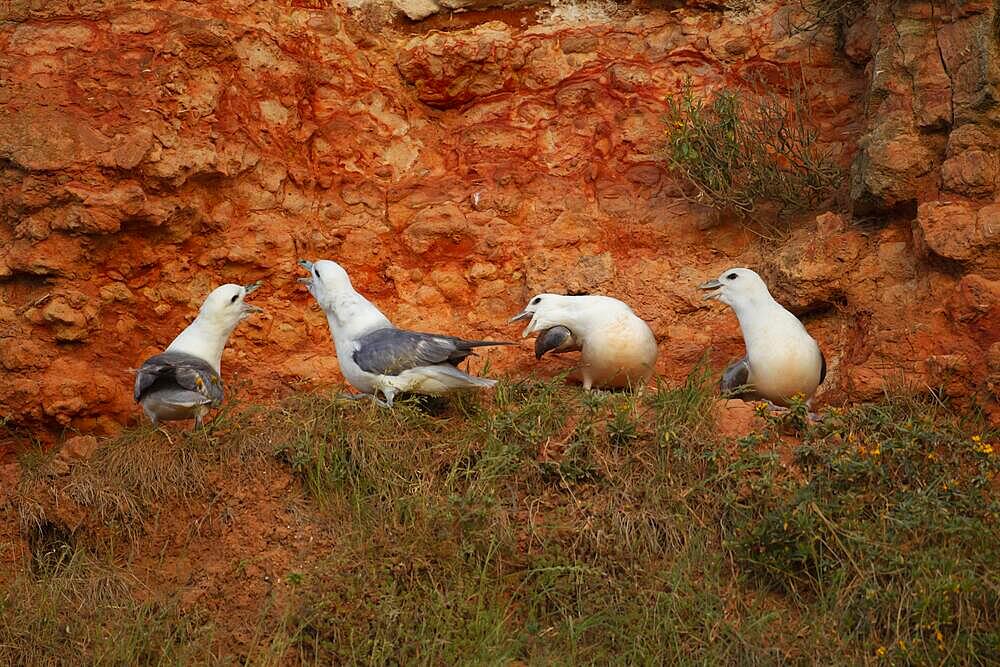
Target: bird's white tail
(438, 379)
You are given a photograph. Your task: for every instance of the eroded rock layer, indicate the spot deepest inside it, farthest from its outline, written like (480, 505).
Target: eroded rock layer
(151, 150)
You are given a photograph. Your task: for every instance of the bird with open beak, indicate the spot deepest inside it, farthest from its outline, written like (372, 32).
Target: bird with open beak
(782, 359)
(376, 357)
(185, 380)
(617, 348)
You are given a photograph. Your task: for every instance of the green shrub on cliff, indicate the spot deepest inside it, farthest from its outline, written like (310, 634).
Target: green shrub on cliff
(743, 148)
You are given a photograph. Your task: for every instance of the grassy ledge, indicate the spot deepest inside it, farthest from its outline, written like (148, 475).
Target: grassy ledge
(538, 524)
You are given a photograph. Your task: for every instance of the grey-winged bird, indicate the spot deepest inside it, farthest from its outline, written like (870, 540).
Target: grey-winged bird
(375, 356)
(782, 359)
(185, 380)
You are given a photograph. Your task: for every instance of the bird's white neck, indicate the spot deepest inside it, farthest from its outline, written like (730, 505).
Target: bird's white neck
(204, 338)
(760, 317)
(352, 316)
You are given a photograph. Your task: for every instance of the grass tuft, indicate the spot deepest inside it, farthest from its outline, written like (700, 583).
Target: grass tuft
(894, 525)
(83, 611)
(546, 525)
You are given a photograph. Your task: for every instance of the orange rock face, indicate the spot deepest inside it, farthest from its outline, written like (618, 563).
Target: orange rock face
(151, 151)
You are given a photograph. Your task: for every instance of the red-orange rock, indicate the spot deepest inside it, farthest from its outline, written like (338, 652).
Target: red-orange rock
(975, 306)
(735, 418)
(929, 74)
(78, 448)
(10, 474)
(811, 268)
(457, 167)
(972, 173)
(449, 69)
(948, 372)
(956, 230)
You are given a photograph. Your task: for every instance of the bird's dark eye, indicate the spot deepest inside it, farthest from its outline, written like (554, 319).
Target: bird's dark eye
(317, 274)
(235, 296)
(731, 276)
(536, 301)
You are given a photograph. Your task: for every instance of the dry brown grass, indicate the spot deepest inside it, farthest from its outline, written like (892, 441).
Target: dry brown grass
(547, 525)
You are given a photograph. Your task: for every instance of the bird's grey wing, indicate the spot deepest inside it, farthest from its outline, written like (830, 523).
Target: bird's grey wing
(735, 380)
(144, 379)
(176, 370)
(557, 339)
(391, 351)
(822, 367)
(177, 397)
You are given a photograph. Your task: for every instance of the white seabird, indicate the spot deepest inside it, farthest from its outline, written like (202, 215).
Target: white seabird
(617, 348)
(782, 359)
(184, 381)
(375, 356)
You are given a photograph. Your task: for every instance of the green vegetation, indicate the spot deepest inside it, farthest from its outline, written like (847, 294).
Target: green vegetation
(895, 527)
(747, 147)
(78, 609)
(547, 525)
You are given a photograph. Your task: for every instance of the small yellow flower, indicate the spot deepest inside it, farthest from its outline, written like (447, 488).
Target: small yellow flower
(938, 636)
(876, 451)
(880, 651)
(977, 438)
(984, 448)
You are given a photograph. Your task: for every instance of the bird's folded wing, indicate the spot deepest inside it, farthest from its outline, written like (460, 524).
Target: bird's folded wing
(557, 339)
(391, 351)
(184, 398)
(736, 379)
(184, 371)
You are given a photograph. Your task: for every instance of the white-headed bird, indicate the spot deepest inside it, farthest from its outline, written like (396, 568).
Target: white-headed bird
(617, 348)
(185, 380)
(375, 356)
(782, 359)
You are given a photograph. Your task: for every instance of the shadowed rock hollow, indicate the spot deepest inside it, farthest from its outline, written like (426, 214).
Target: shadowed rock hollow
(456, 166)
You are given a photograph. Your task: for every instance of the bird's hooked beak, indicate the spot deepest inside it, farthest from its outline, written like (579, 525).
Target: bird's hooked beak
(523, 315)
(713, 285)
(308, 266)
(247, 291)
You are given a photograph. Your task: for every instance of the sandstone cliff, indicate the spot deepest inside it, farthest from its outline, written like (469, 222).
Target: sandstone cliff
(457, 165)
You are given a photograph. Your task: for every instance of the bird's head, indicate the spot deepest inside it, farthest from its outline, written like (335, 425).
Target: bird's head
(545, 311)
(226, 307)
(735, 287)
(326, 281)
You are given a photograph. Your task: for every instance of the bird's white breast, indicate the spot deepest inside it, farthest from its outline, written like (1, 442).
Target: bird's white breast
(345, 347)
(620, 353)
(784, 361)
